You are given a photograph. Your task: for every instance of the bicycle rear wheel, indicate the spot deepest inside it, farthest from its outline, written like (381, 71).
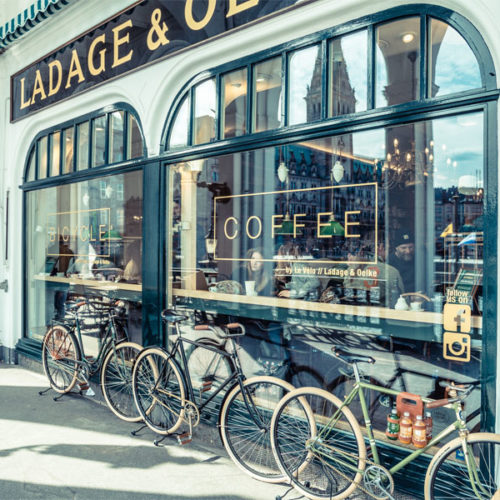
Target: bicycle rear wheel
(245, 421)
(60, 354)
(116, 380)
(448, 476)
(159, 390)
(318, 444)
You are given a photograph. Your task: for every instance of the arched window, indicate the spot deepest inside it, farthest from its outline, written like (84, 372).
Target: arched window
(100, 139)
(409, 59)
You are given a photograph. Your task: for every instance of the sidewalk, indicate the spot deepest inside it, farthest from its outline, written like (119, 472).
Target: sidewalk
(77, 449)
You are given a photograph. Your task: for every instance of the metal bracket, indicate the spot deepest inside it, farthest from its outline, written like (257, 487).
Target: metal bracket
(4, 285)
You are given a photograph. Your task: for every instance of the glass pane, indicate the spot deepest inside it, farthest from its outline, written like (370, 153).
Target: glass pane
(348, 70)
(135, 146)
(234, 87)
(204, 112)
(67, 144)
(82, 130)
(398, 62)
(116, 136)
(179, 131)
(42, 157)
(377, 236)
(31, 165)
(99, 125)
(55, 159)
(75, 237)
(267, 88)
(449, 73)
(305, 85)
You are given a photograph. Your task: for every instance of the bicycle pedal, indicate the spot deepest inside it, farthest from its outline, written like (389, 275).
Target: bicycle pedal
(84, 386)
(206, 386)
(184, 438)
(91, 359)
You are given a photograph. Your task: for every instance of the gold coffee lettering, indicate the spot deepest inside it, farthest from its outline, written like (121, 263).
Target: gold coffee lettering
(295, 225)
(254, 217)
(229, 219)
(118, 41)
(198, 25)
(323, 224)
(347, 224)
(275, 226)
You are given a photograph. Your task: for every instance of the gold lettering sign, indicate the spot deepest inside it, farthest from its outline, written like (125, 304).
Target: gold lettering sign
(79, 230)
(269, 226)
(128, 41)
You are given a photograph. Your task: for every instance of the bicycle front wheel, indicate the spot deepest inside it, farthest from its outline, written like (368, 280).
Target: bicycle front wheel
(116, 380)
(245, 423)
(159, 390)
(60, 356)
(470, 472)
(318, 444)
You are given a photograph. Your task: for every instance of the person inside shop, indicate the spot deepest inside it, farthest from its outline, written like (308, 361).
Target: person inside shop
(254, 277)
(403, 259)
(64, 260)
(302, 284)
(132, 271)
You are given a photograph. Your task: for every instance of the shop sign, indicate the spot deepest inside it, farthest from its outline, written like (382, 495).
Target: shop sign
(147, 32)
(233, 230)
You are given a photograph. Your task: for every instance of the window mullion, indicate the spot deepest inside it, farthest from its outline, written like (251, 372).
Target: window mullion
(325, 79)
(424, 57)
(370, 103)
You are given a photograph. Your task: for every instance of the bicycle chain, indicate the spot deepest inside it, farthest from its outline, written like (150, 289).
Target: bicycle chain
(358, 485)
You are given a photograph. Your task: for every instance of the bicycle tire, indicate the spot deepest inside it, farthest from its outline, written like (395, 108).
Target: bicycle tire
(249, 445)
(60, 353)
(159, 390)
(447, 475)
(301, 421)
(116, 380)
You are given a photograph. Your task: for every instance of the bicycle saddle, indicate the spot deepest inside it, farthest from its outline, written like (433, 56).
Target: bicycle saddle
(349, 357)
(172, 316)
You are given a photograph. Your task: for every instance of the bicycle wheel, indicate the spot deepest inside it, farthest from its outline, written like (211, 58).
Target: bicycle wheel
(60, 354)
(159, 391)
(245, 430)
(317, 444)
(116, 380)
(448, 476)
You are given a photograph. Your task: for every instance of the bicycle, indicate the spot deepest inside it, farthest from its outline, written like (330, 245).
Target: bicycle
(178, 389)
(65, 363)
(319, 445)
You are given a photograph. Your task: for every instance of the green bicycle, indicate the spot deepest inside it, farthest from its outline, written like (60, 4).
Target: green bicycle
(319, 445)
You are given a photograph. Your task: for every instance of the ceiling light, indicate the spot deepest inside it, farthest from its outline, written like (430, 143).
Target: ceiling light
(408, 37)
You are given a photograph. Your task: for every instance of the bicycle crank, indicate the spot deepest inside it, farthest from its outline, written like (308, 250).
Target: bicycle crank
(379, 482)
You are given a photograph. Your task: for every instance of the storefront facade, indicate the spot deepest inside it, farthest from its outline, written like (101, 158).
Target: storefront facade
(324, 174)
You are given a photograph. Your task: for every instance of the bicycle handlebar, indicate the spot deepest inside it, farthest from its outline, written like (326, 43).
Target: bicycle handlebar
(225, 328)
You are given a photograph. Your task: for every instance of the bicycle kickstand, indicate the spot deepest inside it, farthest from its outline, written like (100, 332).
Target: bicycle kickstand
(136, 432)
(41, 393)
(280, 497)
(157, 442)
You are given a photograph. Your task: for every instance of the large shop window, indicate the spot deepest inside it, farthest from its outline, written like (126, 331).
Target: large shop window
(372, 240)
(84, 239)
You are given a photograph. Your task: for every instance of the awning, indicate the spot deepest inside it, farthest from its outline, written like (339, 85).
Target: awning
(28, 19)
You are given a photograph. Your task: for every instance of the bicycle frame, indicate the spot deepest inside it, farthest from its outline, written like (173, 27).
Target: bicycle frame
(459, 425)
(178, 348)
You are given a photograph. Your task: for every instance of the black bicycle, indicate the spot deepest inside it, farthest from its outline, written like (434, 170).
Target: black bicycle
(171, 389)
(65, 362)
